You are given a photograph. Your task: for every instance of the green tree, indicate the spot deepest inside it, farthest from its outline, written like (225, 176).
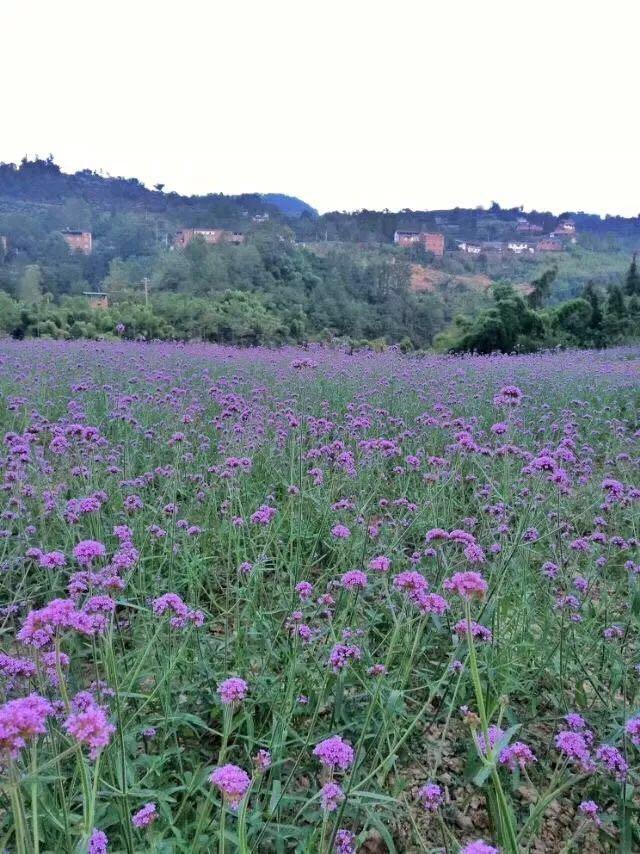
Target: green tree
(632, 282)
(615, 302)
(542, 287)
(30, 285)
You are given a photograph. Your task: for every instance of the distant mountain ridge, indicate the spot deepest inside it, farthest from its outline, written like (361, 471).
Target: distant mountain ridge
(289, 205)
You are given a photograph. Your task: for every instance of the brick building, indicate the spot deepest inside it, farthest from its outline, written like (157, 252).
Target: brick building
(78, 241)
(549, 245)
(97, 299)
(431, 241)
(184, 236)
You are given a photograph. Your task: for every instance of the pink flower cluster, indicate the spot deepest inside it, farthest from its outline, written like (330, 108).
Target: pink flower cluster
(334, 753)
(232, 782)
(182, 615)
(468, 585)
(232, 691)
(22, 719)
(90, 725)
(145, 816)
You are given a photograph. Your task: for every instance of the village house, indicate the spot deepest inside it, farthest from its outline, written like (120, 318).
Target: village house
(431, 241)
(469, 248)
(260, 217)
(495, 246)
(565, 230)
(547, 244)
(565, 227)
(97, 299)
(519, 247)
(184, 236)
(78, 241)
(4, 244)
(404, 237)
(525, 227)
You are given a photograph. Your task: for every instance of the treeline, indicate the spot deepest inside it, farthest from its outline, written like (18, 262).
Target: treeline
(268, 290)
(511, 322)
(518, 324)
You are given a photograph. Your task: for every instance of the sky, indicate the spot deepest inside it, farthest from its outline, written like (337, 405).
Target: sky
(353, 104)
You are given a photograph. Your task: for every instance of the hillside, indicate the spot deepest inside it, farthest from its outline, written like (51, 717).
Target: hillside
(266, 269)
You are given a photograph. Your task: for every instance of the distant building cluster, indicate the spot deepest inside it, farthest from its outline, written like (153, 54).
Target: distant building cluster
(430, 241)
(563, 233)
(185, 236)
(556, 241)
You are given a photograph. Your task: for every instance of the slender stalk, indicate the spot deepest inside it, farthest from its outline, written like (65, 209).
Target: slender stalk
(35, 822)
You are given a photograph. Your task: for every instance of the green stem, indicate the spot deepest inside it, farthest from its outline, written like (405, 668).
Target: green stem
(92, 803)
(34, 799)
(221, 831)
(505, 813)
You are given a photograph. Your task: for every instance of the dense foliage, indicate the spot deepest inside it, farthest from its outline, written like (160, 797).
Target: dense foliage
(307, 601)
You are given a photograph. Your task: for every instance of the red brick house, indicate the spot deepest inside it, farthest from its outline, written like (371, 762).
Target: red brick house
(78, 241)
(184, 236)
(97, 299)
(431, 241)
(548, 244)
(565, 228)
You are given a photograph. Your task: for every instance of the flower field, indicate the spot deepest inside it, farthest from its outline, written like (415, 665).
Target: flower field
(300, 600)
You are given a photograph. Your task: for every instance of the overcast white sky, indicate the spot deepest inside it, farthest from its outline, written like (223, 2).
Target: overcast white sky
(345, 103)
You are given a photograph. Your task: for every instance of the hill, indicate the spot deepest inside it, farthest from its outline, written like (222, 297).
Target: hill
(268, 269)
(289, 205)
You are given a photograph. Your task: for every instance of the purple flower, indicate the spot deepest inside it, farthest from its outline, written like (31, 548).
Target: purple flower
(90, 726)
(232, 691)
(345, 842)
(494, 734)
(304, 589)
(355, 579)
(468, 585)
(575, 721)
(479, 632)
(232, 782)
(98, 843)
(411, 582)
(20, 720)
(145, 816)
(613, 761)
(88, 551)
(52, 560)
(263, 515)
(431, 797)
(340, 532)
(334, 753)
(517, 755)
(590, 809)
(509, 395)
(575, 747)
(380, 564)
(331, 795)
(262, 760)
(341, 654)
(479, 847)
(632, 728)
